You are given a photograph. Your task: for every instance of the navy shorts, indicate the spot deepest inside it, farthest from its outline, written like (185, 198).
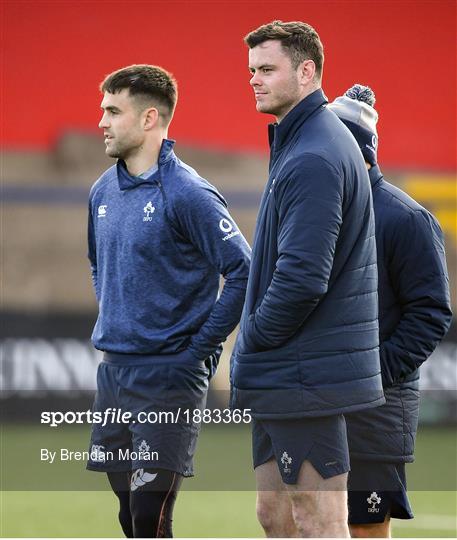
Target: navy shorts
(322, 441)
(375, 490)
(160, 396)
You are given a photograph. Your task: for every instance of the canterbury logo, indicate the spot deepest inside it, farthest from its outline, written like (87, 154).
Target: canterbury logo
(140, 478)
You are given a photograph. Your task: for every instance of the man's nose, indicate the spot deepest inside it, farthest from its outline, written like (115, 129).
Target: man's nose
(103, 122)
(255, 81)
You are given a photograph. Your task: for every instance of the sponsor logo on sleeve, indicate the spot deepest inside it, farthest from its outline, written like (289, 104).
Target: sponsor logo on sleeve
(226, 226)
(374, 144)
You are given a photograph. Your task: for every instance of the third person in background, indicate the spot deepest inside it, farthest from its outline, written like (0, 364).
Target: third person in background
(414, 315)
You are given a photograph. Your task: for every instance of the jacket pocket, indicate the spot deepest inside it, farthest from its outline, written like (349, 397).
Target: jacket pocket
(266, 370)
(286, 353)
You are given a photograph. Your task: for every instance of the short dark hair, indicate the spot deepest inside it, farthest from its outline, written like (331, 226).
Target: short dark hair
(299, 39)
(146, 82)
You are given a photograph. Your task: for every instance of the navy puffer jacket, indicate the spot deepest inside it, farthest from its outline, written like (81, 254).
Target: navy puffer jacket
(414, 315)
(308, 342)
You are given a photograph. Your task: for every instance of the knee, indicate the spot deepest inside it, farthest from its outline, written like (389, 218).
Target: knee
(304, 513)
(125, 519)
(275, 514)
(265, 511)
(144, 520)
(305, 527)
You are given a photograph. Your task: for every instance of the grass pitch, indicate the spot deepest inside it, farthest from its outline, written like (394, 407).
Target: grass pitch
(64, 500)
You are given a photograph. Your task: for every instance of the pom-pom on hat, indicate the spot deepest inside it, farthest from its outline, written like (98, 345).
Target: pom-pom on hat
(356, 110)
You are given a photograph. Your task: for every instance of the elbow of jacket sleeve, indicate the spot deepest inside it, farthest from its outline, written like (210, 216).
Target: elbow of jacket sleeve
(447, 320)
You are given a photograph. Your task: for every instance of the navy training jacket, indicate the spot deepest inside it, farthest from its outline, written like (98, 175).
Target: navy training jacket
(308, 341)
(157, 248)
(414, 315)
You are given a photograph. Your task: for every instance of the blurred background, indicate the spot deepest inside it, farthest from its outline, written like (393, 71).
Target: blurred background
(54, 55)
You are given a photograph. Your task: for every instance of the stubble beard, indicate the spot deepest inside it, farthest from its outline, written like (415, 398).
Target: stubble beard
(267, 108)
(278, 109)
(119, 151)
(113, 153)
(282, 103)
(112, 150)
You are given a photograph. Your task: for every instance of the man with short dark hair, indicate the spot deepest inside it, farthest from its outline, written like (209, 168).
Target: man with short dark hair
(414, 315)
(160, 237)
(307, 351)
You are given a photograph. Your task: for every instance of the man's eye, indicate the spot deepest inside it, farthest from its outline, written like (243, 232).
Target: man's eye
(266, 70)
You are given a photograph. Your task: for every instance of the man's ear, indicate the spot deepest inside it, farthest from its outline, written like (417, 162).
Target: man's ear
(307, 71)
(150, 118)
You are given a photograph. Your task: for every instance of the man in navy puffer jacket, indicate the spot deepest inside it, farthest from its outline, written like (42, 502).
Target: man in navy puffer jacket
(414, 315)
(308, 344)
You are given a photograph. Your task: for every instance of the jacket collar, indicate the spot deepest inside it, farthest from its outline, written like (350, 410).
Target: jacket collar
(280, 134)
(375, 175)
(127, 181)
